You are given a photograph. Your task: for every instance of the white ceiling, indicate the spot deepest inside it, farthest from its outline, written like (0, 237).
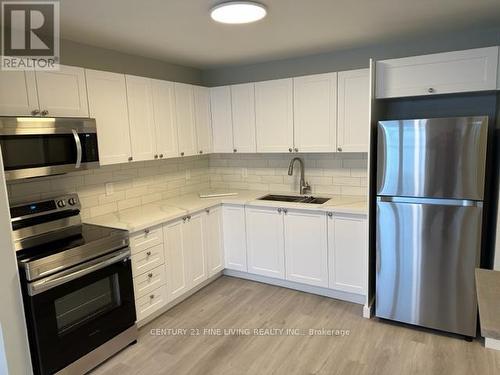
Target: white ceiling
(181, 31)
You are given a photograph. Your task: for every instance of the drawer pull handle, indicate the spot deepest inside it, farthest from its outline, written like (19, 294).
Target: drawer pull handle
(148, 253)
(146, 231)
(152, 296)
(150, 275)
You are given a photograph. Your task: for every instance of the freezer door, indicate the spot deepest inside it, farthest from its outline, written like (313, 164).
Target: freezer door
(438, 158)
(426, 256)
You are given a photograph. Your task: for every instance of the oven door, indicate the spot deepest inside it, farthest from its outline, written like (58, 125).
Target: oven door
(71, 314)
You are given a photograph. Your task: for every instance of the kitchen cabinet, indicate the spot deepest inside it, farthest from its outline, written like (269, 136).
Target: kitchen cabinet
(18, 95)
(147, 260)
(186, 128)
(213, 240)
(164, 118)
(243, 114)
(315, 113)
(265, 242)
(63, 92)
(234, 237)
(203, 119)
(347, 252)
(59, 93)
(107, 95)
(222, 123)
(151, 302)
(194, 240)
(306, 247)
(440, 73)
(353, 111)
(141, 117)
(274, 115)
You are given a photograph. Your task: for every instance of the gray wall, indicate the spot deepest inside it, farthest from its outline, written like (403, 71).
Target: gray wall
(86, 56)
(352, 58)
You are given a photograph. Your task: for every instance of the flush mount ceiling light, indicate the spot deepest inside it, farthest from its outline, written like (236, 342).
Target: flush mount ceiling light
(236, 12)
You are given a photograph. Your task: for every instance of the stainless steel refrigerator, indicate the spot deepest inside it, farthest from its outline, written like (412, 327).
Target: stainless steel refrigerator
(430, 190)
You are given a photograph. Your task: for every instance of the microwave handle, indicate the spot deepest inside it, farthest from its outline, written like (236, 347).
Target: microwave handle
(76, 272)
(78, 144)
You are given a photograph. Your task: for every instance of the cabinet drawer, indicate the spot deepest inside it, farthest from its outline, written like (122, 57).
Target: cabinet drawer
(147, 260)
(146, 239)
(151, 302)
(149, 281)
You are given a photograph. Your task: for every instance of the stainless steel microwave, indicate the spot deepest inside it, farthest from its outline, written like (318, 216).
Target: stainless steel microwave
(42, 146)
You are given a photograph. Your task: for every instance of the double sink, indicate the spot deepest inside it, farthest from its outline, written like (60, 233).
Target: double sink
(294, 199)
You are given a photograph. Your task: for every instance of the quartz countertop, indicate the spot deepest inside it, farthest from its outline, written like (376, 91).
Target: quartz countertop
(138, 218)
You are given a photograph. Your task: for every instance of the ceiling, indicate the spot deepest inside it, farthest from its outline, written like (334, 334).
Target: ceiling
(181, 31)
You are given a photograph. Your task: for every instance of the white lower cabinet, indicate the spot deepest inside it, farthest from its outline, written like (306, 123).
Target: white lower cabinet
(212, 225)
(306, 247)
(234, 229)
(347, 252)
(149, 281)
(265, 242)
(194, 239)
(147, 260)
(153, 301)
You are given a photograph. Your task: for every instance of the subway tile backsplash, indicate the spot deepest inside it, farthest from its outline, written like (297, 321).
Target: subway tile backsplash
(117, 187)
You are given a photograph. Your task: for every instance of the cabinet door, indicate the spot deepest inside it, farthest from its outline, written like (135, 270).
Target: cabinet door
(243, 109)
(265, 244)
(222, 123)
(186, 128)
(176, 259)
(440, 73)
(234, 230)
(213, 240)
(347, 252)
(193, 238)
(141, 117)
(63, 92)
(274, 115)
(306, 247)
(164, 118)
(353, 111)
(107, 95)
(315, 112)
(18, 93)
(203, 119)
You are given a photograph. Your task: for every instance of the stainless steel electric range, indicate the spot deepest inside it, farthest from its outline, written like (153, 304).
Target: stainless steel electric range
(76, 281)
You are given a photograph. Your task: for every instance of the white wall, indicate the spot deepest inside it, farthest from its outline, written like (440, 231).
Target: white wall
(13, 339)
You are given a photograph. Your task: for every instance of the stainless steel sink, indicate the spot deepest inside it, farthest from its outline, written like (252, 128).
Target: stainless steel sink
(294, 199)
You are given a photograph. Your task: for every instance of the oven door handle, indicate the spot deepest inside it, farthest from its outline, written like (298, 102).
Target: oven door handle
(78, 144)
(50, 282)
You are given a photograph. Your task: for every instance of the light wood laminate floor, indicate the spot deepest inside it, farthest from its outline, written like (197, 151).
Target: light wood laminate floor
(372, 347)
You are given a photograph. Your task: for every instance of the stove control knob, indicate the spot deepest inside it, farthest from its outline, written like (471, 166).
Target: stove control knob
(72, 201)
(61, 203)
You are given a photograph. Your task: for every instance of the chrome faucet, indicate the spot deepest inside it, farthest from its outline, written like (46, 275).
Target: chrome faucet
(304, 186)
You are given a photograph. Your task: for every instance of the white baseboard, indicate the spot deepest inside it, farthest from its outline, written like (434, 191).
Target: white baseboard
(368, 309)
(344, 296)
(491, 343)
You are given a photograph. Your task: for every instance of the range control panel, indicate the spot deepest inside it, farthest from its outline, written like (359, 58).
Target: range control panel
(61, 203)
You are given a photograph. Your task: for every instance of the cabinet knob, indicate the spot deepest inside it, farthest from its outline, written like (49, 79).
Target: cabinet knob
(150, 275)
(285, 211)
(431, 90)
(130, 158)
(279, 210)
(35, 112)
(290, 149)
(189, 217)
(201, 151)
(235, 150)
(156, 156)
(148, 253)
(146, 231)
(207, 211)
(296, 149)
(184, 218)
(152, 296)
(45, 112)
(330, 214)
(182, 153)
(161, 156)
(339, 149)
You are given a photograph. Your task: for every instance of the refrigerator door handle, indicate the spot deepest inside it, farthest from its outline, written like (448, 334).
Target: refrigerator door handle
(440, 202)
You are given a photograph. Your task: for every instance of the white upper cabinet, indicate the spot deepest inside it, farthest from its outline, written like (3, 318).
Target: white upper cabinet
(234, 232)
(265, 242)
(243, 110)
(186, 128)
(315, 113)
(212, 232)
(164, 118)
(440, 73)
(306, 247)
(141, 117)
(274, 115)
(203, 119)
(347, 252)
(107, 95)
(18, 95)
(222, 123)
(63, 92)
(353, 111)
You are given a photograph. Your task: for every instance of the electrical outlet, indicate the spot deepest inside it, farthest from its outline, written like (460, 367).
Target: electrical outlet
(110, 188)
(244, 172)
(188, 174)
